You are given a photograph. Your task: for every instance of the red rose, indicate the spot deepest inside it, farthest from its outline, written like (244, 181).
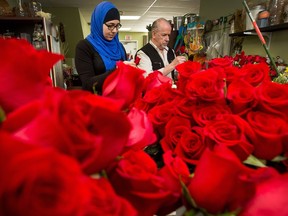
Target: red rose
(135, 179)
(185, 70)
(254, 74)
(241, 97)
(188, 68)
(104, 200)
(232, 132)
(77, 123)
(124, 84)
(226, 61)
(206, 85)
(190, 147)
(231, 74)
(273, 97)
(24, 72)
(137, 60)
(156, 96)
(173, 131)
(160, 115)
(221, 182)
(155, 79)
(204, 113)
(41, 181)
(271, 131)
(185, 107)
(142, 133)
(270, 198)
(174, 172)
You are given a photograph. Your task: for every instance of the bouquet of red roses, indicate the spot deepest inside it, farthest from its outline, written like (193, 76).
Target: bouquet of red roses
(222, 134)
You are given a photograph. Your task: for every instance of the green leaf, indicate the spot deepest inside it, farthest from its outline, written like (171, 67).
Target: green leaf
(279, 158)
(252, 160)
(2, 115)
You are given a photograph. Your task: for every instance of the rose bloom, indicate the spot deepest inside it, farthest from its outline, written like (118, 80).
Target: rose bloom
(254, 74)
(156, 96)
(135, 178)
(160, 115)
(205, 112)
(222, 183)
(226, 61)
(270, 198)
(188, 68)
(233, 132)
(174, 172)
(173, 131)
(41, 181)
(270, 133)
(190, 147)
(77, 123)
(142, 133)
(241, 96)
(155, 79)
(231, 74)
(273, 97)
(185, 70)
(185, 107)
(207, 85)
(105, 201)
(24, 72)
(243, 59)
(124, 84)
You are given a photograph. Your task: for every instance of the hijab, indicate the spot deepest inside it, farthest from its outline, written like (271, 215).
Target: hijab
(110, 51)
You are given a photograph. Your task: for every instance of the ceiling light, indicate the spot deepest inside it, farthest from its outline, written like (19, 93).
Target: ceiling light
(129, 17)
(124, 29)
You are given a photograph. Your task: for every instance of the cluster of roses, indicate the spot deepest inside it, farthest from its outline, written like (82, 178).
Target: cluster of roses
(217, 118)
(76, 153)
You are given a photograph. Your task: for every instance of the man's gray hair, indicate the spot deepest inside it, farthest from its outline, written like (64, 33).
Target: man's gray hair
(155, 24)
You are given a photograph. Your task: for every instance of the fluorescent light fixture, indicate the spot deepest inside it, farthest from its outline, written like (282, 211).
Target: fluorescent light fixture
(129, 17)
(124, 29)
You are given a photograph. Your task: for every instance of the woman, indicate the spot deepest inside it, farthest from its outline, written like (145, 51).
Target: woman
(97, 54)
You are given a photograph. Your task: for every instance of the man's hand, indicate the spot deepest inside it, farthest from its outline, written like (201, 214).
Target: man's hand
(178, 60)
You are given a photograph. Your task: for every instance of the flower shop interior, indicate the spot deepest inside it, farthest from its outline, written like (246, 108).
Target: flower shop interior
(212, 143)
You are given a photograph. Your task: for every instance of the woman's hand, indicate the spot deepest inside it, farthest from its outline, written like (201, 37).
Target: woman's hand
(131, 63)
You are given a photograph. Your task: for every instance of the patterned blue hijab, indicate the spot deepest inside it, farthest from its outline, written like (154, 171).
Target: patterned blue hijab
(110, 51)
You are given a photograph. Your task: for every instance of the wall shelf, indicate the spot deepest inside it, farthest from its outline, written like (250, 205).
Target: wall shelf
(273, 28)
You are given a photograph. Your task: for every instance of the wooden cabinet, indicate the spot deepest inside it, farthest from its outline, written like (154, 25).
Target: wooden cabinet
(24, 27)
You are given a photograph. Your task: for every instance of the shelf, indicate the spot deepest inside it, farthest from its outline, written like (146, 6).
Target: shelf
(273, 28)
(19, 18)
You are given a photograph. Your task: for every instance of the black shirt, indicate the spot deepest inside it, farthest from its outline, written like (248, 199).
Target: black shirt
(90, 67)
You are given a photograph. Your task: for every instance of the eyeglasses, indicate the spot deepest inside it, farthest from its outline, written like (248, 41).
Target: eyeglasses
(111, 27)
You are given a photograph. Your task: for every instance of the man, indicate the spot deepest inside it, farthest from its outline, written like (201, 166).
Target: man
(156, 55)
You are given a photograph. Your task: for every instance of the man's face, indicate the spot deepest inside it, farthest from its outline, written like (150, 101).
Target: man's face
(160, 36)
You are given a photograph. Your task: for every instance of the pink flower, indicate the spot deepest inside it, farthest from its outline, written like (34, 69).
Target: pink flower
(142, 133)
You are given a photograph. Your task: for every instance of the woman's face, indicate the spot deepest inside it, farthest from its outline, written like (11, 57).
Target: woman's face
(110, 29)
